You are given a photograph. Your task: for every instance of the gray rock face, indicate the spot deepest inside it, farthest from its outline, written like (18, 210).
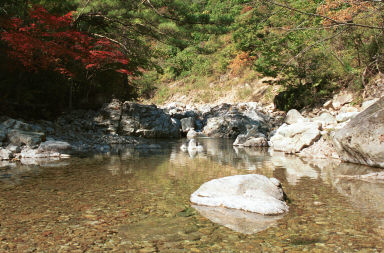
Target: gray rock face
(110, 116)
(253, 138)
(256, 142)
(18, 138)
(187, 124)
(137, 120)
(146, 121)
(229, 126)
(293, 138)
(362, 139)
(252, 192)
(230, 121)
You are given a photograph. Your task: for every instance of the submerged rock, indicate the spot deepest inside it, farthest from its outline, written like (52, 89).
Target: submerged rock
(253, 193)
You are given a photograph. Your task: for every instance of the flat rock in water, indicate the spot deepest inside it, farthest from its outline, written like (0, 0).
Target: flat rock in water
(253, 193)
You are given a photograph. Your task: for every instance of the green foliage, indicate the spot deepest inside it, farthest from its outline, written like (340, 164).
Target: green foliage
(169, 40)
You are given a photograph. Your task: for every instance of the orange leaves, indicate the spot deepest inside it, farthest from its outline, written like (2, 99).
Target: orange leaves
(241, 61)
(342, 10)
(246, 9)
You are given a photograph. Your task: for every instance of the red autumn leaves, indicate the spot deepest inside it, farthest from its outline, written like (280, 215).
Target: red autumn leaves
(47, 41)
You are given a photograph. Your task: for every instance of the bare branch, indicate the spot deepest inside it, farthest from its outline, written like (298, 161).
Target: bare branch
(314, 44)
(82, 11)
(111, 40)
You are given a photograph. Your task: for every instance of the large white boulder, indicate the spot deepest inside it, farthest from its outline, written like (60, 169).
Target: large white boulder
(362, 139)
(253, 193)
(293, 138)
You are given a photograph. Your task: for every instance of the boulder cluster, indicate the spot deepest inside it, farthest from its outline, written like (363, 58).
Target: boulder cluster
(337, 130)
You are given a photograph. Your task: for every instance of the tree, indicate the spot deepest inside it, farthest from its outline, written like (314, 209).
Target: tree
(47, 41)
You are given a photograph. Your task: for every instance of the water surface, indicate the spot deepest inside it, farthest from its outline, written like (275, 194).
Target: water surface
(138, 201)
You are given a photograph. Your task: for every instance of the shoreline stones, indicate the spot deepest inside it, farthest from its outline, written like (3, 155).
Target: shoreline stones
(252, 193)
(254, 126)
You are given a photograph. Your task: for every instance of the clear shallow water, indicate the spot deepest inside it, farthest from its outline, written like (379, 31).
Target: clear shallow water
(138, 201)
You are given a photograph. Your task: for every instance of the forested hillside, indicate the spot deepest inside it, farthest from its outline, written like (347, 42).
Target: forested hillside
(79, 53)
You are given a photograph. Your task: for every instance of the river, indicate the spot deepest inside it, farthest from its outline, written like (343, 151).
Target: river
(138, 201)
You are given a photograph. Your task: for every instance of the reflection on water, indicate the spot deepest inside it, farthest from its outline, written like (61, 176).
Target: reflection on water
(131, 200)
(295, 168)
(238, 220)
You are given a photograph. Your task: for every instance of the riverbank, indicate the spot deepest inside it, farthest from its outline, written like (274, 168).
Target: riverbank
(318, 133)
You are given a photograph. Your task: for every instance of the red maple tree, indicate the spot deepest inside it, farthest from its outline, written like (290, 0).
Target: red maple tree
(47, 41)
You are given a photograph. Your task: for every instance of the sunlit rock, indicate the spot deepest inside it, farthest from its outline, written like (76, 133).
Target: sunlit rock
(5, 154)
(345, 116)
(294, 116)
(362, 139)
(293, 138)
(253, 193)
(322, 149)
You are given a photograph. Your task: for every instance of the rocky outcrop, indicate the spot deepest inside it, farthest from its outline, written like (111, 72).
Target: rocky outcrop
(134, 119)
(230, 121)
(362, 139)
(253, 193)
